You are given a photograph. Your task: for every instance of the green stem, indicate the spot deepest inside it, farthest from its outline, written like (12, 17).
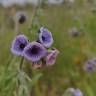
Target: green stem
(21, 63)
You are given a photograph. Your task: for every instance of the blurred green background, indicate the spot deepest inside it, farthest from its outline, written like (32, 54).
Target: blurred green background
(68, 71)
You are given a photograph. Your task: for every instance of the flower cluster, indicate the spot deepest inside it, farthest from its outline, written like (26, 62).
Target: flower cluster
(36, 51)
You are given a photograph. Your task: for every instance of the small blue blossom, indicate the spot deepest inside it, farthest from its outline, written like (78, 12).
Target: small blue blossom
(34, 51)
(74, 92)
(19, 44)
(45, 37)
(90, 65)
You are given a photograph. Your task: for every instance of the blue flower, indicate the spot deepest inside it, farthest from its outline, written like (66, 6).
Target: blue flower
(90, 65)
(19, 44)
(34, 51)
(45, 37)
(73, 92)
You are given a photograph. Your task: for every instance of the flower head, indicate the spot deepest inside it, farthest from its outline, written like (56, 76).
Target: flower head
(90, 65)
(78, 93)
(19, 44)
(73, 92)
(45, 37)
(51, 57)
(34, 51)
(21, 17)
(74, 32)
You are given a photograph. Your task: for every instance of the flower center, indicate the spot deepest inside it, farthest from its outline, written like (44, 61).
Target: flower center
(34, 50)
(43, 38)
(22, 46)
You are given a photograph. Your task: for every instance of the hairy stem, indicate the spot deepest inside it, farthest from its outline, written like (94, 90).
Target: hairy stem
(21, 63)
